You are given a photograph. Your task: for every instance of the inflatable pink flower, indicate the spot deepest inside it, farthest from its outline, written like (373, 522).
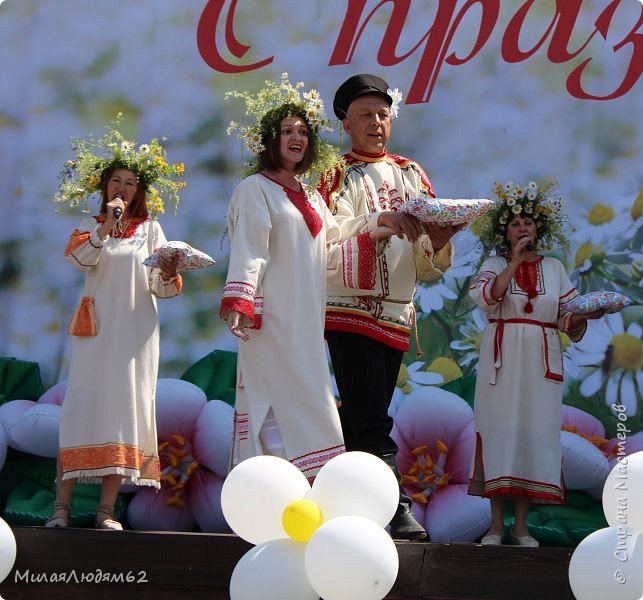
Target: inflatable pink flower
(194, 447)
(434, 431)
(584, 461)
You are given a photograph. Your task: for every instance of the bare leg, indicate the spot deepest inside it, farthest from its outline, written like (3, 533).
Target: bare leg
(64, 489)
(105, 510)
(520, 511)
(497, 514)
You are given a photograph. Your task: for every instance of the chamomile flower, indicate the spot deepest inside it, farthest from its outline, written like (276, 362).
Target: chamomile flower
(468, 250)
(469, 343)
(604, 220)
(612, 357)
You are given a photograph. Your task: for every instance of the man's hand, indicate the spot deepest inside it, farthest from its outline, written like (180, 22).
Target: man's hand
(402, 224)
(441, 234)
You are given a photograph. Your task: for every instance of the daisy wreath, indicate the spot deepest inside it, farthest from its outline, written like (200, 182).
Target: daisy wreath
(84, 176)
(266, 109)
(542, 203)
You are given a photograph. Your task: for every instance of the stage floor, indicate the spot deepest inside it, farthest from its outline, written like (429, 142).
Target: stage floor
(76, 563)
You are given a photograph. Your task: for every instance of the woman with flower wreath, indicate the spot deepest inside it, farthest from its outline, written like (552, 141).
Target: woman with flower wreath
(108, 426)
(282, 250)
(518, 397)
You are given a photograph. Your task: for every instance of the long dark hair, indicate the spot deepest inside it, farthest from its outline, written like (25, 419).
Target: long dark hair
(270, 158)
(138, 205)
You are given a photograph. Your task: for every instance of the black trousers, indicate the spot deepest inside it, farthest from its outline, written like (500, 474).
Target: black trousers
(366, 372)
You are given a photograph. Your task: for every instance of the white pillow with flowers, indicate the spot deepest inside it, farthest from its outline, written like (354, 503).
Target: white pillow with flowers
(592, 301)
(445, 211)
(189, 258)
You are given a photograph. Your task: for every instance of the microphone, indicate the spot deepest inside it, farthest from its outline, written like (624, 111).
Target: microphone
(118, 211)
(529, 246)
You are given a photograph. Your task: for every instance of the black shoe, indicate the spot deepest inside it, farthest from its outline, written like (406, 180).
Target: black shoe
(404, 526)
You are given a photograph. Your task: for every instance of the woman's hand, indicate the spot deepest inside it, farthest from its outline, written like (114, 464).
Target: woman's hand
(441, 234)
(116, 202)
(520, 249)
(235, 321)
(579, 319)
(402, 224)
(169, 267)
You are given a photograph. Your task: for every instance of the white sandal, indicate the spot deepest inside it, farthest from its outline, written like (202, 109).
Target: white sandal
(108, 522)
(57, 519)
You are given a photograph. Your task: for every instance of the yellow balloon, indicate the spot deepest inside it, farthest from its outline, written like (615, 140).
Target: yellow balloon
(301, 519)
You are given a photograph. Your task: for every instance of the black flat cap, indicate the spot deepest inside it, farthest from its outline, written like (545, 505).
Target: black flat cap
(357, 86)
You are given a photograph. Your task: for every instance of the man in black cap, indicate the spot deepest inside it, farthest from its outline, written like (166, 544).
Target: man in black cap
(368, 334)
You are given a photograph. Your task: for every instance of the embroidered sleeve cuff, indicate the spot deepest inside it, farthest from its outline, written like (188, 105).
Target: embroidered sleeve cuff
(240, 296)
(359, 262)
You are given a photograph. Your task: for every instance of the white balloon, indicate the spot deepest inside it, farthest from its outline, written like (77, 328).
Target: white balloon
(356, 483)
(623, 492)
(7, 549)
(273, 570)
(608, 564)
(255, 494)
(351, 558)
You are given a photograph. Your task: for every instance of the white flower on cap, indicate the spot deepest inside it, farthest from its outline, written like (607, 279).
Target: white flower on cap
(396, 96)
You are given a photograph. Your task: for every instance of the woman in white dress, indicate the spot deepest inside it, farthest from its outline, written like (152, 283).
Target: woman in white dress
(108, 425)
(519, 390)
(282, 250)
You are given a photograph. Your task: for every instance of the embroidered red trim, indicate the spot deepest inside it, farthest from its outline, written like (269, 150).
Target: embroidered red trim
(527, 279)
(366, 264)
(302, 204)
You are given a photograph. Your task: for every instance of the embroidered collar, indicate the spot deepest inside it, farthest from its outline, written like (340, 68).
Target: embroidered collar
(527, 279)
(301, 202)
(367, 157)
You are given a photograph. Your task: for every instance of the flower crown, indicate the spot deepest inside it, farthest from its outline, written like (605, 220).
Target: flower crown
(268, 107)
(540, 203)
(84, 176)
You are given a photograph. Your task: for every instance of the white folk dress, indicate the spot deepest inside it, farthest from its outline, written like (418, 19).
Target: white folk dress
(281, 253)
(518, 398)
(108, 423)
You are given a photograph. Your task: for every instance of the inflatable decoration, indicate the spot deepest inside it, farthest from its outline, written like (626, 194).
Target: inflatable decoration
(328, 540)
(434, 431)
(216, 375)
(609, 562)
(193, 463)
(585, 465)
(19, 379)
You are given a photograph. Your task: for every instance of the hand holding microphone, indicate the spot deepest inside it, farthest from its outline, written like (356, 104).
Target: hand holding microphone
(118, 211)
(529, 245)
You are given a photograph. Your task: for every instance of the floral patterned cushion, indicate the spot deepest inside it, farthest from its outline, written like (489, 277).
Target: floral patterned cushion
(593, 301)
(189, 258)
(445, 211)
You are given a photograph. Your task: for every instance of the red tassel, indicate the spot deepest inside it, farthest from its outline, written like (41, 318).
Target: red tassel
(528, 307)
